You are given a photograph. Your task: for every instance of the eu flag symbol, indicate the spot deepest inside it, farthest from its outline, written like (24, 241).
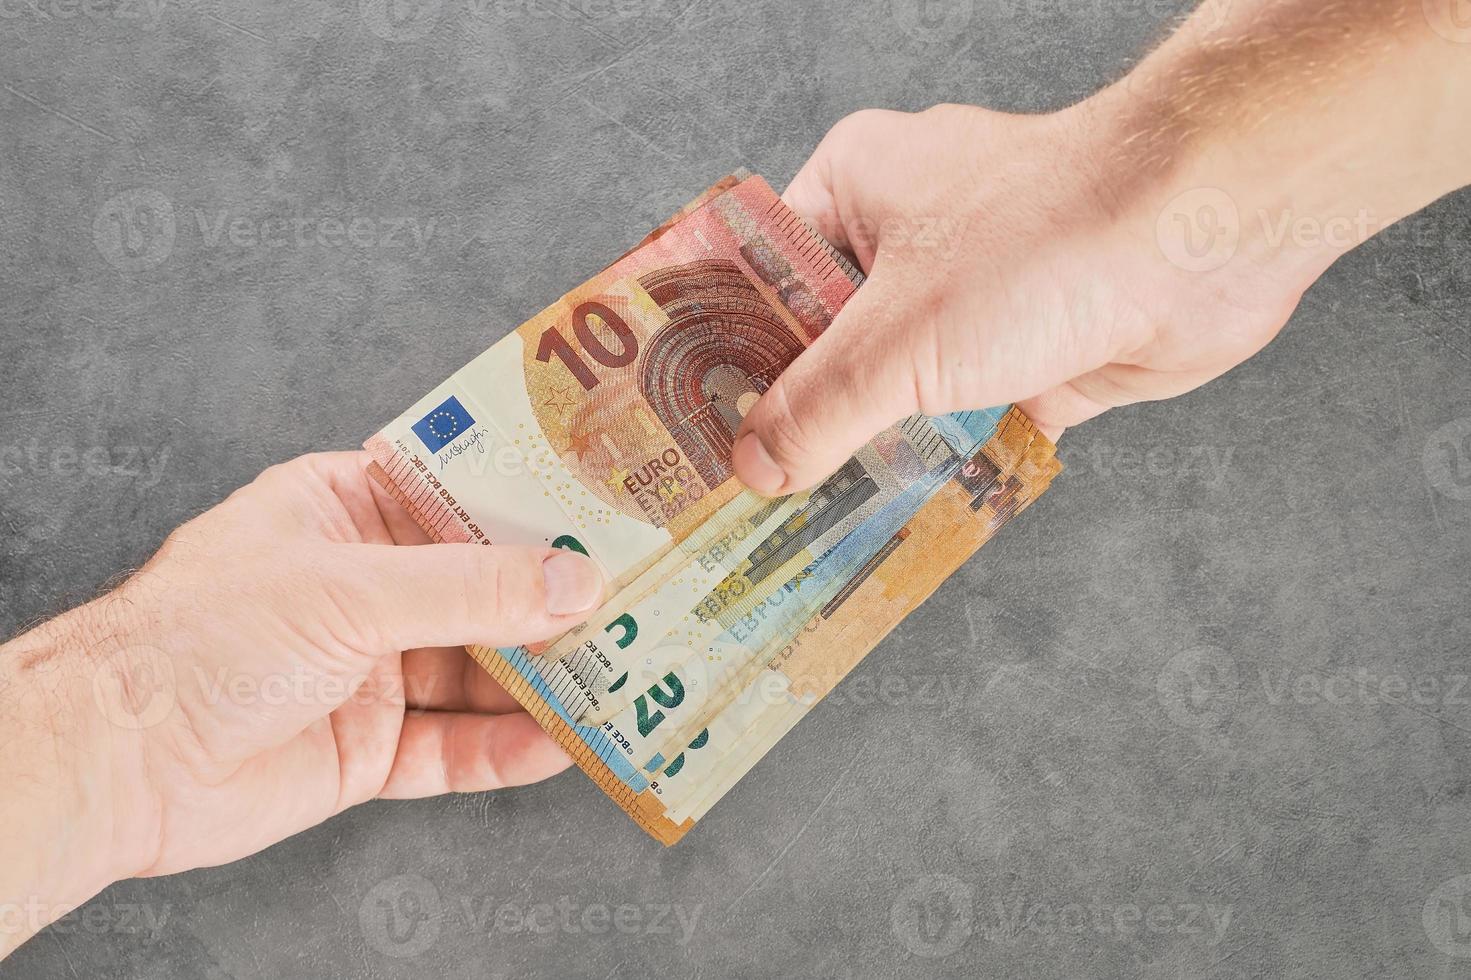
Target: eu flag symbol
(440, 427)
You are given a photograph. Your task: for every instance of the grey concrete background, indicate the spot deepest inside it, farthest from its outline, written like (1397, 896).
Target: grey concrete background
(1159, 728)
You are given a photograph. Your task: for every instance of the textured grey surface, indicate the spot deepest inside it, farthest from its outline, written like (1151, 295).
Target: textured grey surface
(1201, 712)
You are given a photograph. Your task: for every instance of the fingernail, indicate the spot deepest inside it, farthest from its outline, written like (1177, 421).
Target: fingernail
(756, 467)
(573, 583)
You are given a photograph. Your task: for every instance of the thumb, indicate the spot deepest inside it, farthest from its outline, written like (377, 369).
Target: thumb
(851, 383)
(404, 596)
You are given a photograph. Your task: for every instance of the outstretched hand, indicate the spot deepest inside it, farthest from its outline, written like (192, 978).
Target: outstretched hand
(1006, 264)
(292, 652)
(1130, 247)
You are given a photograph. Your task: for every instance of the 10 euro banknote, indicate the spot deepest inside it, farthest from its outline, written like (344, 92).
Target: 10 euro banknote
(605, 423)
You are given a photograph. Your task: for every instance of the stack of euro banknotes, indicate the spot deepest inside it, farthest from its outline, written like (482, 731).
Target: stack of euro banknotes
(605, 423)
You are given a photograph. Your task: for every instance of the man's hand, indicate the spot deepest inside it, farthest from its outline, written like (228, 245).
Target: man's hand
(1129, 248)
(284, 656)
(1000, 269)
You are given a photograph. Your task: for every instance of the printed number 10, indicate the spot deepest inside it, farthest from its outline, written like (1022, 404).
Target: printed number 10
(553, 343)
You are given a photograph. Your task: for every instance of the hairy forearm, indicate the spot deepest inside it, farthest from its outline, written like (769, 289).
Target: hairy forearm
(1322, 122)
(65, 769)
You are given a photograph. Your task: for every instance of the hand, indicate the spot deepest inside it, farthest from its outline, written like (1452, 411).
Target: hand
(1131, 247)
(1005, 265)
(280, 659)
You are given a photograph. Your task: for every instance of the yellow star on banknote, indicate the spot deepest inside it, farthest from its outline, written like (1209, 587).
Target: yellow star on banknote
(560, 401)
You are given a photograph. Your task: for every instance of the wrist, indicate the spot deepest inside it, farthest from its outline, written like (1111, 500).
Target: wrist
(1273, 142)
(76, 806)
(1227, 212)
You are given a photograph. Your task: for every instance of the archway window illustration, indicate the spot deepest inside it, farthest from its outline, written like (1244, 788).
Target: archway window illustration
(723, 341)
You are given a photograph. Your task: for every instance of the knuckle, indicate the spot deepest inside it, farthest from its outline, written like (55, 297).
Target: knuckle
(941, 363)
(291, 474)
(946, 110)
(864, 125)
(184, 541)
(346, 602)
(951, 114)
(497, 583)
(290, 470)
(785, 435)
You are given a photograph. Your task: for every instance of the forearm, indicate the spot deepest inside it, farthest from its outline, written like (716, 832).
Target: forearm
(69, 773)
(1322, 123)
